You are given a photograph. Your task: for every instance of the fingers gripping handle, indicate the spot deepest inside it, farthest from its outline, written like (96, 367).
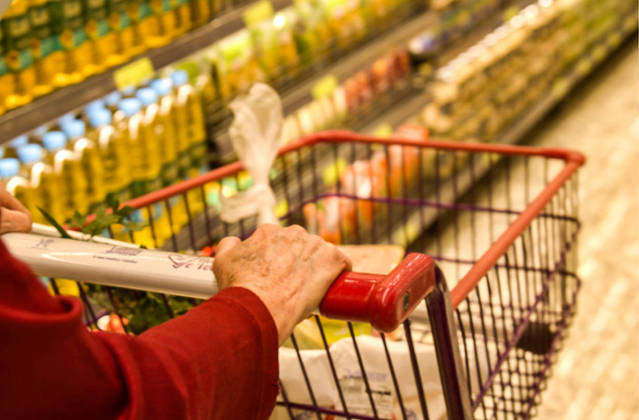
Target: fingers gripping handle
(383, 301)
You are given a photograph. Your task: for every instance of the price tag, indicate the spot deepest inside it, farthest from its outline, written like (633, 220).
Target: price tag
(133, 73)
(259, 12)
(325, 87)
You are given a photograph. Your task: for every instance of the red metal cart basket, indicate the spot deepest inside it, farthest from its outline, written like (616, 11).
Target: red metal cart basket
(499, 221)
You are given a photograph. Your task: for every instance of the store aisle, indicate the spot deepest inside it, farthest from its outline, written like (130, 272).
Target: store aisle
(597, 376)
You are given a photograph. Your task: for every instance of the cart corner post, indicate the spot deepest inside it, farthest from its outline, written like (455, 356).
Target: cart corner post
(454, 385)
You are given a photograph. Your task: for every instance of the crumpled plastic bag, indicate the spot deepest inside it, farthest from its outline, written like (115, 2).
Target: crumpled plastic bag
(255, 134)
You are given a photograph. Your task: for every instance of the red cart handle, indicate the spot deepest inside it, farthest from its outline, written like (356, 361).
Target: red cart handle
(383, 301)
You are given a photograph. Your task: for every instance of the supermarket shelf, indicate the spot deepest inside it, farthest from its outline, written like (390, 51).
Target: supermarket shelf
(61, 101)
(360, 59)
(408, 227)
(516, 133)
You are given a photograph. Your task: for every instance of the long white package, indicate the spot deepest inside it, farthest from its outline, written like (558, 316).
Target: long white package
(378, 374)
(114, 265)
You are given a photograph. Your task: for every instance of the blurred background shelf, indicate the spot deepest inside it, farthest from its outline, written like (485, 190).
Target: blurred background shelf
(66, 99)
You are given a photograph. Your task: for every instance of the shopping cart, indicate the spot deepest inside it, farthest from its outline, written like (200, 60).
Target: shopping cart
(499, 221)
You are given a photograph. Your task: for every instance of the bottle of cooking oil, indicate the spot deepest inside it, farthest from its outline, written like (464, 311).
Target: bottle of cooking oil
(43, 182)
(169, 150)
(100, 38)
(151, 133)
(120, 24)
(189, 102)
(43, 46)
(17, 34)
(17, 185)
(6, 78)
(90, 158)
(71, 169)
(182, 11)
(68, 25)
(162, 30)
(114, 154)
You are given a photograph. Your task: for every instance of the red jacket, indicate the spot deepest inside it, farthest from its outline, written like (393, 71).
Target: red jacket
(218, 361)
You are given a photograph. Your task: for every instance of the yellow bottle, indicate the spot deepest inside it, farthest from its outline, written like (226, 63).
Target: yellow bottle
(72, 169)
(68, 23)
(100, 38)
(17, 37)
(43, 46)
(188, 102)
(125, 37)
(169, 148)
(6, 78)
(182, 11)
(71, 182)
(43, 180)
(152, 136)
(17, 185)
(163, 28)
(114, 154)
(89, 151)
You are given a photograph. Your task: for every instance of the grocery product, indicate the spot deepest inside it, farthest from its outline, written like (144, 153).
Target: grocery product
(114, 154)
(16, 29)
(101, 39)
(43, 46)
(88, 152)
(18, 185)
(68, 24)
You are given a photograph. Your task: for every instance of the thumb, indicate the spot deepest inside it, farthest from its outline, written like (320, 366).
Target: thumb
(226, 244)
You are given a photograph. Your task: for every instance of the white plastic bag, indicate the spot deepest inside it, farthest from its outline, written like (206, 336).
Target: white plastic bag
(255, 133)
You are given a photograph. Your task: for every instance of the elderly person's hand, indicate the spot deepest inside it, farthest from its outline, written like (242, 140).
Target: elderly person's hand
(13, 216)
(289, 269)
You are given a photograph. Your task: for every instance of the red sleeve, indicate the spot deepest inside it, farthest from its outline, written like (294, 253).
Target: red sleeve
(219, 361)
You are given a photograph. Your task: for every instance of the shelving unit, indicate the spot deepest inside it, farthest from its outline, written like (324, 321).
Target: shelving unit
(61, 101)
(406, 229)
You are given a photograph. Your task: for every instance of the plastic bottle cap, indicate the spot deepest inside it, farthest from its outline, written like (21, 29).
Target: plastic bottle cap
(179, 77)
(54, 140)
(147, 96)
(162, 86)
(30, 153)
(66, 117)
(98, 103)
(112, 98)
(9, 167)
(128, 91)
(130, 106)
(19, 141)
(74, 129)
(99, 117)
(39, 132)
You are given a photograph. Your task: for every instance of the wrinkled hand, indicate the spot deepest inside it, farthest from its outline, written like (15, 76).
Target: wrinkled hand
(13, 216)
(287, 268)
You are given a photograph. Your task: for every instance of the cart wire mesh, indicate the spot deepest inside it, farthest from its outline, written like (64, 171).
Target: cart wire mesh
(500, 221)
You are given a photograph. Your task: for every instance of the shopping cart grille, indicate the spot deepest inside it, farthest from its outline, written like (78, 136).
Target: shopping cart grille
(452, 204)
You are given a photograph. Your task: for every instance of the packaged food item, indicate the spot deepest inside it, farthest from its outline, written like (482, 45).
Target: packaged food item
(102, 41)
(275, 46)
(17, 185)
(43, 46)
(16, 29)
(311, 30)
(160, 24)
(88, 151)
(75, 56)
(235, 66)
(346, 20)
(182, 12)
(114, 154)
(42, 181)
(121, 25)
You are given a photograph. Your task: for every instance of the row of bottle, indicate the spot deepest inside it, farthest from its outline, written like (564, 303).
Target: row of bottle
(150, 138)
(47, 44)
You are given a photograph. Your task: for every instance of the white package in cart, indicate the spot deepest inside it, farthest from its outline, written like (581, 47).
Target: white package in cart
(378, 374)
